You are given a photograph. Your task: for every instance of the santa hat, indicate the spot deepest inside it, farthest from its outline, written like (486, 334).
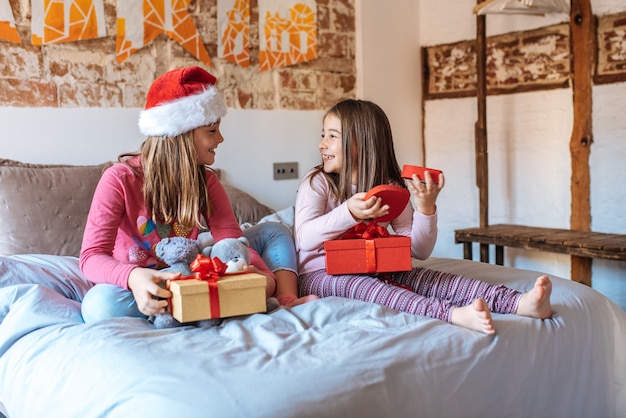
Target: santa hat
(181, 100)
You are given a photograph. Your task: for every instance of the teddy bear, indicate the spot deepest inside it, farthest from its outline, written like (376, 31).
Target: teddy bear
(180, 252)
(234, 252)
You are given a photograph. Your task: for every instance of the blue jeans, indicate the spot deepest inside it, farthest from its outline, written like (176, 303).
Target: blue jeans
(274, 243)
(272, 240)
(104, 301)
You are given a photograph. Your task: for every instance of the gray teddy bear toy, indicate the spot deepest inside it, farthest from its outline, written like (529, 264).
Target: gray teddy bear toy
(180, 252)
(234, 252)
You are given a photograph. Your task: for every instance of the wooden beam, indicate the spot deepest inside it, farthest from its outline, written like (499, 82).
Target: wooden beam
(480, 129)
(582, 59)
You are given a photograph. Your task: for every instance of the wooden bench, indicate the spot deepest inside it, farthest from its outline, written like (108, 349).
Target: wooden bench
(564, 241)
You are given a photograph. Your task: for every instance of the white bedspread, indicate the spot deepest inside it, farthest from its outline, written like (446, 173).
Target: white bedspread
(330, 358)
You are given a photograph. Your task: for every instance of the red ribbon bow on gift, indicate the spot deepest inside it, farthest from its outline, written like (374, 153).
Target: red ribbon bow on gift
(369, 231)
(209, 270)
(363, 230)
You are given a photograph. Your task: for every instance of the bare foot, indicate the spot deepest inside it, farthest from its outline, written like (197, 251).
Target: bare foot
(291, 300)
(475, 316)
(304, 299)
(536, 303)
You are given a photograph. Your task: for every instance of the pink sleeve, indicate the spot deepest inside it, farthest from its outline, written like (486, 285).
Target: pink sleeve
(421, 228)
(318, 216)
(105, 216)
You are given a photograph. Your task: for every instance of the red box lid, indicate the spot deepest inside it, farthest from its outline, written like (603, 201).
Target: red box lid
(409, 170)
(395, 196)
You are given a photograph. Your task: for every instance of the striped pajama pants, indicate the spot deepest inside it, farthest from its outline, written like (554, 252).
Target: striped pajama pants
(434, 293)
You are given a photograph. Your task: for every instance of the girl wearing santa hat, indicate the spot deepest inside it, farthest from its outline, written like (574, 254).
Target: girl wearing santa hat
(164, 190)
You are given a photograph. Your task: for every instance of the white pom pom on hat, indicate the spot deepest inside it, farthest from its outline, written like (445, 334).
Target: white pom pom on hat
(181, 100)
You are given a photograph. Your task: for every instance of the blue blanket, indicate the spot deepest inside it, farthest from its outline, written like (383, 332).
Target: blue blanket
(332, 357)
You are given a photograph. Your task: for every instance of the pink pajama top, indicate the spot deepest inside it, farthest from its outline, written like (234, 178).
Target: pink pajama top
(320, 217)
(120, 234)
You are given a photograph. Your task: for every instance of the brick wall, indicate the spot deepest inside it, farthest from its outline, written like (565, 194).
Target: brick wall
(86, 73)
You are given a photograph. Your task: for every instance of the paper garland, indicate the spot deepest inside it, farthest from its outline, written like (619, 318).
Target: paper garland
(8, 31)
(233, 21)
(287, 32)
(139, 22)
(55, 21)
(288, 28)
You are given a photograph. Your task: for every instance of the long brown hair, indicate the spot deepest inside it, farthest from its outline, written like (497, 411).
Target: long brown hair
(174, 187)
(365, 130)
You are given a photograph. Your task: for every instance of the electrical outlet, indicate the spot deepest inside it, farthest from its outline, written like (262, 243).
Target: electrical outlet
(285, 171)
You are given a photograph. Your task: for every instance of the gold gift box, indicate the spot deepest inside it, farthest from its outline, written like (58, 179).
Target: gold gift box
(237, 294)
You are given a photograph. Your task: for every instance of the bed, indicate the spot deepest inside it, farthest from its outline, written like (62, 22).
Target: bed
(329, 358)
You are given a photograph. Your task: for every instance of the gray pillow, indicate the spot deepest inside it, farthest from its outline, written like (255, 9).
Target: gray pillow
(246, 207)
(44, 207)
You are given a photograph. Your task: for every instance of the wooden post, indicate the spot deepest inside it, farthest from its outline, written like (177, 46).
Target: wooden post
(480, 129)
(582, 59)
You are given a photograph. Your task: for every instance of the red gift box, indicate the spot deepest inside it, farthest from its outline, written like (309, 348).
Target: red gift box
(363, 256)
(368, 247)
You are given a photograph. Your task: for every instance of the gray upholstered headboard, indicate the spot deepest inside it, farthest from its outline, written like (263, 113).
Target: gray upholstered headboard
(43, 207)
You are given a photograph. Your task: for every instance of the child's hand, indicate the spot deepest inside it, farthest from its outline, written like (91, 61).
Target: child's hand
(146, 286)
(424, 195)
(366, 209)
